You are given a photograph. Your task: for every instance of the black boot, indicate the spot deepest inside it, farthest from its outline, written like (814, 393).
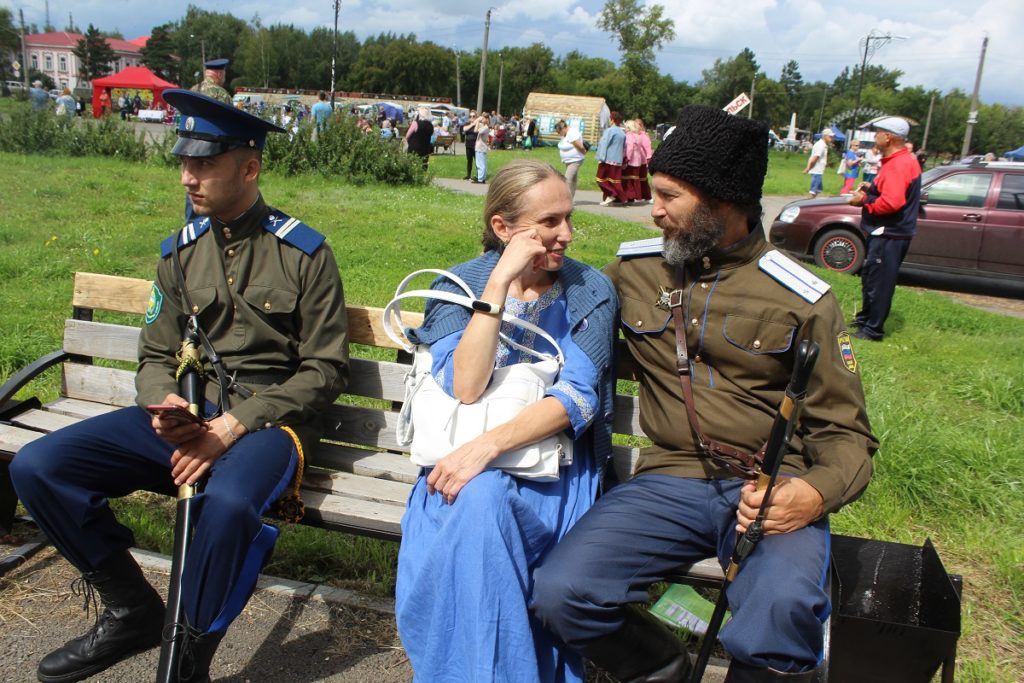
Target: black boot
(131, 621)
(197, 656)
(642, 651)
(744, 673)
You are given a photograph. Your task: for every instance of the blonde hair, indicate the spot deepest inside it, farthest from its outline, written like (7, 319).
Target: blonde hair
(631, 126)
(505, 195)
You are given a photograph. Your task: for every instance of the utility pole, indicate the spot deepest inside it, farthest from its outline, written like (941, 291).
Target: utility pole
(458, 81)
(928, 124)
(24, 54)
(334, 50)
(483, 65)
(972, 117)
(750, 107)
(821, 112)
(881, 39)
(501, 76)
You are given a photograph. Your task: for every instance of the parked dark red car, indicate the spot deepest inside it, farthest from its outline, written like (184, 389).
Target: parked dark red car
(971, 224)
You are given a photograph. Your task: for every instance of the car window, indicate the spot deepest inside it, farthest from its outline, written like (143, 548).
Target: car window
(960, 189)
(1011, 196)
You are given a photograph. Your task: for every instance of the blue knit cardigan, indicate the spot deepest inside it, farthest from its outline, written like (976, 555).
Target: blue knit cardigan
(593, 310)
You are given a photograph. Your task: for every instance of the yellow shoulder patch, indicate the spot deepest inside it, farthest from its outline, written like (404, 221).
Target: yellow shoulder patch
(846, 351)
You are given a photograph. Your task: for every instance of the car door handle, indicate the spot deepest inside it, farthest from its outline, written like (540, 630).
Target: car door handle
(972, 217)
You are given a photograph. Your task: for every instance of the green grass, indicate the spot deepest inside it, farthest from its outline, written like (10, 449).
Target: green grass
(945, 390)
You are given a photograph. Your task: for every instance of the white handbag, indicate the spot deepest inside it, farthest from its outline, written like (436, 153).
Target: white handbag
(433, 424)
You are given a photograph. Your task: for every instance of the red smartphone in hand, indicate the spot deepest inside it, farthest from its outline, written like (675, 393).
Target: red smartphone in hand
(174, 413)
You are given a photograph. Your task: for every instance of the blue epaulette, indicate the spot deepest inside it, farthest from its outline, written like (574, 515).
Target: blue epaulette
(293, 231)
(192, 231)
(648, 247)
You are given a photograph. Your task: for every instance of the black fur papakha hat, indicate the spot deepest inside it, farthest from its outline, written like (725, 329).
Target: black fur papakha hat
(721, 154)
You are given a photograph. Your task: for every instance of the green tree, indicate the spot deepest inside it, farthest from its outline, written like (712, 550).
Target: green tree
(727, 78)
(10, 44)
(94, 55)
(639, 31)
(158, 53)
(219, 33)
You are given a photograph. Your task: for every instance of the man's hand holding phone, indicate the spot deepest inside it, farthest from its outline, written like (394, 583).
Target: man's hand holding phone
(173, 422)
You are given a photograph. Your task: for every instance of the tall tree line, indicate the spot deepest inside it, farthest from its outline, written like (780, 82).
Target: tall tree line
(283, 56)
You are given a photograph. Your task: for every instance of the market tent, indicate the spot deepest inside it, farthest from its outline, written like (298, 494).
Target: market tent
(1015, 154)
(134, 78)
(589, 115)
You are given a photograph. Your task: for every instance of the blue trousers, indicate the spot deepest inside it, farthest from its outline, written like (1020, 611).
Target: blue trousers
(642, 530)
(66, 478)
(878, 278)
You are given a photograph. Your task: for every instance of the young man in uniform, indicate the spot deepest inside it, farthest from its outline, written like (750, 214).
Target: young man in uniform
(890, 206)
(266, 291)
(214, 75)
(742, 309)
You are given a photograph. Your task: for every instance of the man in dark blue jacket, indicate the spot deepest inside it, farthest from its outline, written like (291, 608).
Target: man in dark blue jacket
(890, 205)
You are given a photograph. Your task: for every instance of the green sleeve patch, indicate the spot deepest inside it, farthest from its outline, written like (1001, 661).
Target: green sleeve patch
(156, 302)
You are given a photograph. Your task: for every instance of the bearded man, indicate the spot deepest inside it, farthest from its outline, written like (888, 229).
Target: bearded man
(743, 308)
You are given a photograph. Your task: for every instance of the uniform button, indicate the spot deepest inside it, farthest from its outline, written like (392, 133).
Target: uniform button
(703, 285)
(707, 262)
(694, 322)
(231, 280)
(639, 323)
(696, 359)
(268, 425)
(227, 233)
(195, 309)
(266, 305)
(757, 343)
(231, 252)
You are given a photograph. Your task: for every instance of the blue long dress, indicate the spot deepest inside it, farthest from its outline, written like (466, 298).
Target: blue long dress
(464, 570)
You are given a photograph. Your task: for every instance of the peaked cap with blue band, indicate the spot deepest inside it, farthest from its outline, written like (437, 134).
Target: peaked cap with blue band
(217, 64)
(208, 127)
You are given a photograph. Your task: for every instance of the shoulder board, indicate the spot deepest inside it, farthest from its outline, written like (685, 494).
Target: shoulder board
(648, 247)
(293, 231)
(192, 231)
(793, 276)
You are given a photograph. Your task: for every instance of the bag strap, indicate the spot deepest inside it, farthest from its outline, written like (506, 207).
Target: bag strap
(394, 307)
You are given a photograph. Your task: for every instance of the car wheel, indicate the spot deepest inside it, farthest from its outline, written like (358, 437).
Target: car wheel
(839, 250)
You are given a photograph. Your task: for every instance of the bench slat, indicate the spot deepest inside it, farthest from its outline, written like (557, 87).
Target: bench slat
(377, 379)
(111, 293)
(366, 325)
(328, 510)
(356, 486)
(79, 409)
(44, 420)
(102, 385)
(378, 464)
(363, 426)
(103, 340)
(13, 438)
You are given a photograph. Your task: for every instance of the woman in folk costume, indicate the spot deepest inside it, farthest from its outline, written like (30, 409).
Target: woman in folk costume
(638, 152)
(472, 534)
(611, 150)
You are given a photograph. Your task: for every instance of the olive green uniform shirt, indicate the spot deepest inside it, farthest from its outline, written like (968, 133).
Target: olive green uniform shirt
(743, 327)
(211, 89)
(268, 308)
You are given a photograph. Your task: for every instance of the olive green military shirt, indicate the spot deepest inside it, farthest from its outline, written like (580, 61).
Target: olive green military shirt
(743, 327)
(272, 312)
(211, 89)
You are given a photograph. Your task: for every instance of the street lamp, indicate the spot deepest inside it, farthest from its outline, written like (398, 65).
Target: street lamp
(202, 48)
(871, 42)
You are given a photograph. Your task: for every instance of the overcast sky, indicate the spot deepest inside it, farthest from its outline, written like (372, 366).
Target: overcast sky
(941, 45)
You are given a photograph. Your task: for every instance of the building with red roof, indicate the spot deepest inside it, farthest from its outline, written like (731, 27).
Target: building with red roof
(53, 55)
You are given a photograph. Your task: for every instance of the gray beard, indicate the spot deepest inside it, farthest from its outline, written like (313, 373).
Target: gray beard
(699, 234)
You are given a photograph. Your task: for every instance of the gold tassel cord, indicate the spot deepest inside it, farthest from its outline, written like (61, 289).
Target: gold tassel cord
(290, 507)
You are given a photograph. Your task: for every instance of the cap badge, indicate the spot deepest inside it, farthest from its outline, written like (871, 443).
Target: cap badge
(190, 123)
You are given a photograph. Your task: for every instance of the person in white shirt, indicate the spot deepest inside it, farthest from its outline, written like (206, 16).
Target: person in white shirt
(572, 151)
(819, 159)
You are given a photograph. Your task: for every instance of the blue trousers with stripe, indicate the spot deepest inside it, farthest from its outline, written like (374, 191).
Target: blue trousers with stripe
(66, 478)
(642, 530)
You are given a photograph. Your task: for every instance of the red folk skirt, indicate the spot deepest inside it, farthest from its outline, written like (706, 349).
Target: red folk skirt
(609, 179)
(634, 183)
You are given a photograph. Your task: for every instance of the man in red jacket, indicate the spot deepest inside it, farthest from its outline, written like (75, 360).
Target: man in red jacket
(890, 205)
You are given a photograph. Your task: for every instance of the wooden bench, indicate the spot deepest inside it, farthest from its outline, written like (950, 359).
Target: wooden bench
(359, 477)
(446, 143)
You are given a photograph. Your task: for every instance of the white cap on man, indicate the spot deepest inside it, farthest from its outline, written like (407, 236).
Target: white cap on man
(829, 132)
(893, 124)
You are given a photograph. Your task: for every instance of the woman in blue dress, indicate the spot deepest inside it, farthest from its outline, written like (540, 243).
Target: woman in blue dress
(472, 534)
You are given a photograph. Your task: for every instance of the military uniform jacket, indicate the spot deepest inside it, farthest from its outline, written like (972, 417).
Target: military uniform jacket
(267, 292)
(211, 89)
(743, 325)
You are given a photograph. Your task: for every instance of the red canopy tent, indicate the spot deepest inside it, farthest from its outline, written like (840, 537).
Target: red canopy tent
(134, 77)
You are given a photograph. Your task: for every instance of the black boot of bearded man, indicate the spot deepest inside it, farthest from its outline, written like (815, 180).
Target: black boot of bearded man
(197, 655)
(744, 673)
(642, 651)
(131, 622)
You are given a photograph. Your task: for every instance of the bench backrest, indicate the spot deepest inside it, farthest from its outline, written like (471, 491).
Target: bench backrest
(356, 427)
